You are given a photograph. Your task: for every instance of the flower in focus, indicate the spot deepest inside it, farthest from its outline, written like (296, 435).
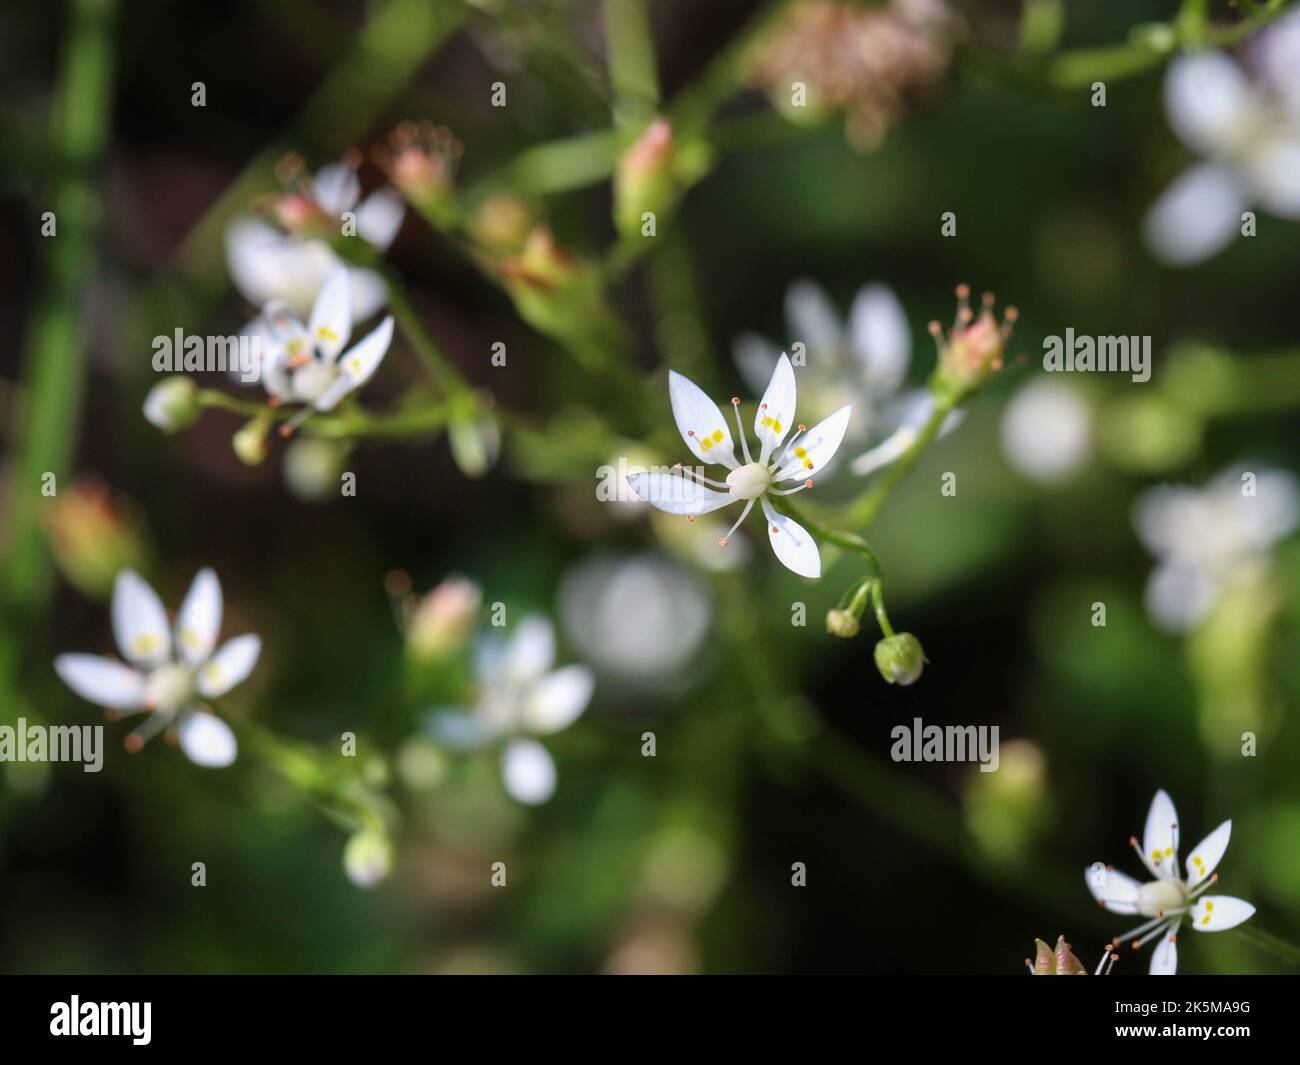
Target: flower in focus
(1208, 539)
(862, 362)
(689, 492)
(864, 61)
(303, 364)
(292, 264)
(1171, 896)
(520, 697)
(174, 671)
(1047, 431)
(639, 619)
(1062, 962)
(1244, 121)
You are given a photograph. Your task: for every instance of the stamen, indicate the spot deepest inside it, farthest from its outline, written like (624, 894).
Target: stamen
(740, 428)
(1145, 860)
(291, 426)
(790, 491)
(777, 463)
(687, 471)
(743, 515)
(963, 307)
(1197, 891)
(1156, 934)
(1138, 930)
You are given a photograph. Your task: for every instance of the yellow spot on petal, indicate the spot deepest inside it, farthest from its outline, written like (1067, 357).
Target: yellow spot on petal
(802, 452)
(1208, 905)
(145, 644)
(718, 436)
(189, 638)
(212, 672)
(1205, 919)
(326, 333)
(354, 364)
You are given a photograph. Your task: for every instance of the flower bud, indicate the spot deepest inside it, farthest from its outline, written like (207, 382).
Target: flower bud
(554, 291)
(443, 620)
(93, 536)
(421, 163)
(367, 858)
(312, 466)
(1058, 962)
(172, 405)
(250, 442)
(475, 443)
(842, 623)
(900, 658)
(973, 349)
(644, 179)
(502, 223)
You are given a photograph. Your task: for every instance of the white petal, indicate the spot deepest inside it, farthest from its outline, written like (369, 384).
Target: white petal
(139, 621)
(101, 680)
(207, 740)
(1218, 913)
(1274, 175)
(458, 729)
(380, 217)
(331, 316)
(813, 319)
(1116, 891)
(755, 359)
(1178, 596)
(700, 422)
(776, 409)
(530, 651)
(337, 188)
(1196, 217)
(266, 265)
(558, 699)
(881, 337)
(793, 544)
(287, 333)
(1209, 102)
(229, 666)
(1204, 857)
(1164, 958)
(358, 365)
(1159, 834)
(528, 771)
(675, 494)
(1047, 431)
(369, 293)
(813, 451)
(199, 619)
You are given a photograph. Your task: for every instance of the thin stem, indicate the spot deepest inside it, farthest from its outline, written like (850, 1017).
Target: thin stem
(340, 425)
(1270, 942)
(864, 511)
(882, 618)
(847, 540)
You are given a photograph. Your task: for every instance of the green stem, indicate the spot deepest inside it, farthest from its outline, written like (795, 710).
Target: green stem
(341, 425)
(864, 511)
(1270, 942)
(632, 72)
(54, 357)
(882, 618)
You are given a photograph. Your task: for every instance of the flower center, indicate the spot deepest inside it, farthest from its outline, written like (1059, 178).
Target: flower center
(1161, 897)
(749, 481)
(312, 379)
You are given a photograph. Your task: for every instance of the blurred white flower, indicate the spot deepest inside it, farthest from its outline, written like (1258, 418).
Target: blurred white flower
(171, 405)
(306, 363)
(688, 492)
(520, 697)
(862, 363)
(1047, 431)
(639, 619)
(174, 672)
(1244, 121)
(1205, 539)
(269, 265)
(1171, 896)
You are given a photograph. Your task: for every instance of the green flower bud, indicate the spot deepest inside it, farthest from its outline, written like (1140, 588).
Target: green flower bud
(900, 658)
(842, 623)
(173, 405)
(250, 442)
(312, 467)
(368, 858)
(644, 180)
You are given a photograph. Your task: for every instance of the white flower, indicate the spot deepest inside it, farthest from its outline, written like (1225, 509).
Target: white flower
(269, 266)
(1248, 133)
(174, 671)
(1047, 431)
(303, 364)
(860, 363)
(1171, 897)
(681, 491)
(520, 697)
(1206, 539)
